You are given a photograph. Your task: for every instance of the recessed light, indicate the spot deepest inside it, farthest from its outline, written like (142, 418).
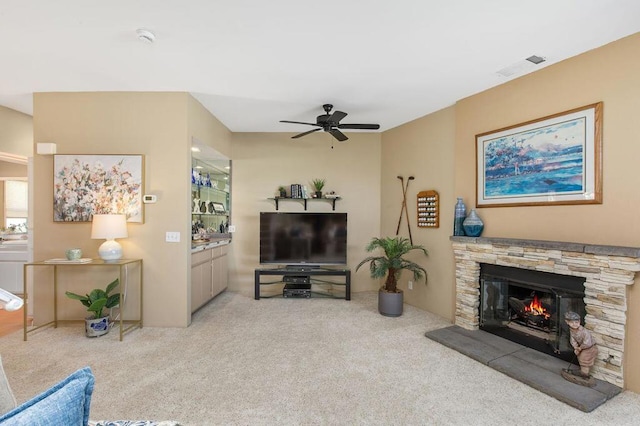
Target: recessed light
(145, 35)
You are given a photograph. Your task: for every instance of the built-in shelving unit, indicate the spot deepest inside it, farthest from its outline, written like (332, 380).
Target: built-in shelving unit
(209, 198)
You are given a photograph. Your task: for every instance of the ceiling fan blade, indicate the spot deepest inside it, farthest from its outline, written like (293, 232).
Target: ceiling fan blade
(337, 116)
(359, 126)
(299, 122)
(338, 135)
(305, 133)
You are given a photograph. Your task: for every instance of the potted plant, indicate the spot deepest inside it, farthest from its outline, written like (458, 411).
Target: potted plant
(96, 302)
(391, 264)
(317, 185)
(282, 191)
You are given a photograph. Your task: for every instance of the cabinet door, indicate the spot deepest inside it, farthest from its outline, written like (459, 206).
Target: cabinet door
(207, 282)
(11, 276)
(223, 273)
(220, 271)
(196, 287)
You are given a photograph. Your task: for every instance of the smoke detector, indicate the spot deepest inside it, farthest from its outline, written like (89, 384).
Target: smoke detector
(145, 35)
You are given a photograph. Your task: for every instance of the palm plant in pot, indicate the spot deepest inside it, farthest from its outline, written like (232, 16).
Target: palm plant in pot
(391, 265)
(96, 302)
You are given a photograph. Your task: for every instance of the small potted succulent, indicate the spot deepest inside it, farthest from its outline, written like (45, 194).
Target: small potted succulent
(317, 185)
(282, 191)
(96, 302)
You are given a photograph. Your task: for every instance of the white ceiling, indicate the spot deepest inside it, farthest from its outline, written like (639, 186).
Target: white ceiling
(253, 63)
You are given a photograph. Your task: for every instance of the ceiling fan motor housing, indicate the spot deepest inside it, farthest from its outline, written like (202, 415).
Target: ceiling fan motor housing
(330, 123)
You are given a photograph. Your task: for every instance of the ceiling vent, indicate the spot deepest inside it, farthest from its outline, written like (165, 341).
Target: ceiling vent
(521, 67)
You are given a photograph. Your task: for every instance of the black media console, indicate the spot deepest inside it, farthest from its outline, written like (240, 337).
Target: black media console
(297, 281)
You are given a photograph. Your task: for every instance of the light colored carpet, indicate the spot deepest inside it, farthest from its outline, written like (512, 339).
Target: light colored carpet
(291, 362)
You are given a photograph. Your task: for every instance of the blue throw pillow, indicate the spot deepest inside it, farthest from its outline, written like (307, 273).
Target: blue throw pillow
(66, 403)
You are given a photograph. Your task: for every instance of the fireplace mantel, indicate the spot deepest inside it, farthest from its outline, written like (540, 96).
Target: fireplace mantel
(608, 270)
(555, 245)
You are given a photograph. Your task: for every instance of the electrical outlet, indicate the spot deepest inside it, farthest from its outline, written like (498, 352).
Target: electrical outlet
(410, 285)
(232, 228)
(172, 237)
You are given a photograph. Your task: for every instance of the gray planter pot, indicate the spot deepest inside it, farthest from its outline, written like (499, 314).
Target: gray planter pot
(390, 304)
(95, 327)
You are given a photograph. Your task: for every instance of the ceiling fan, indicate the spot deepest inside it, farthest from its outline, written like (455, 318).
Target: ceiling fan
(330, 122)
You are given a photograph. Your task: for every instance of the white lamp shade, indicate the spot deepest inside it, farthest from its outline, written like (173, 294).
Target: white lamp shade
(109, 226)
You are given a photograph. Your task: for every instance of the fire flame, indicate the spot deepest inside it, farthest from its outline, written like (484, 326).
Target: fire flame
(536, 308)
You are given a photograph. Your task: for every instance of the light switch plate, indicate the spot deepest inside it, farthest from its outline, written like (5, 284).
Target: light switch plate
(232, 228)
(172, 237)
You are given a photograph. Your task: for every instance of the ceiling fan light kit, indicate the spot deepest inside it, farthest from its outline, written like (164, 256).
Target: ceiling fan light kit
(330, 123)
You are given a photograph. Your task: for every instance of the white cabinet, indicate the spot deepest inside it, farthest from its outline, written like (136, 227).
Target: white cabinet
(209, 275)
(12, 260)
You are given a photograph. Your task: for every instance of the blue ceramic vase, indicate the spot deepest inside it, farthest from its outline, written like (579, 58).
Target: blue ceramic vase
(473, 225)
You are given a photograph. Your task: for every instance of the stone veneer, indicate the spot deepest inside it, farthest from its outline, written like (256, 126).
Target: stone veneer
(608, 271)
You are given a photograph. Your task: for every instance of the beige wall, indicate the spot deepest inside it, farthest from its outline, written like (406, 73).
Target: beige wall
(156, 125)
(610, 74)
(16, 139)
(423, 148)
(264, 161)
(16, 132)
(207, 129)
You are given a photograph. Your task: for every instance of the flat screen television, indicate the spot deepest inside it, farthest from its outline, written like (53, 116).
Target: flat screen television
(289, 238)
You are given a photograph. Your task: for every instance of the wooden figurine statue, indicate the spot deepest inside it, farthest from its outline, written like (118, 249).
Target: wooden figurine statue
(583, 346)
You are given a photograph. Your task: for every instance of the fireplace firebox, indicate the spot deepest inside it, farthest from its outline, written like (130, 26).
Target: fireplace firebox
(528, 307)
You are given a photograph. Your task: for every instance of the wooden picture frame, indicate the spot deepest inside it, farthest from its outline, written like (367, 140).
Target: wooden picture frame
(84, 185)
(552, 160)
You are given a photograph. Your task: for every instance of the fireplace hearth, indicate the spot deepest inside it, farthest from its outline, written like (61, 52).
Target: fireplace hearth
(528, 307)
(605, 271)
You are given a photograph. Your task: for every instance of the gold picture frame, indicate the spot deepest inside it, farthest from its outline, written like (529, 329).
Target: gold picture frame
(84, 185)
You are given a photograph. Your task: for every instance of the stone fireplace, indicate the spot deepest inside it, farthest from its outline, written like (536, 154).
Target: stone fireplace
(605, 270)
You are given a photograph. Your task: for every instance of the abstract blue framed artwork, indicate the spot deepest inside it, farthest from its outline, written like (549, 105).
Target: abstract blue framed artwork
(551, 160)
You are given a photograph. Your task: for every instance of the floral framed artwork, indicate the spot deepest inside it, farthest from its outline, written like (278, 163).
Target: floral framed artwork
(551, 160)
(84, 185)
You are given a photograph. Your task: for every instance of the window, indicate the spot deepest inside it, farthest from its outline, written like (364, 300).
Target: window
(16, 203)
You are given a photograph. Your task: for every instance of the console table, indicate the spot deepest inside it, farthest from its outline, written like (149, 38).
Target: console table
(314, 275)
(122, 266)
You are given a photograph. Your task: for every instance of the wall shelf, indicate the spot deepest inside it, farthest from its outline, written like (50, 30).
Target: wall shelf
(303, 201)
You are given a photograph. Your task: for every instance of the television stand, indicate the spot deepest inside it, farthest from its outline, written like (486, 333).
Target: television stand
(321, 280)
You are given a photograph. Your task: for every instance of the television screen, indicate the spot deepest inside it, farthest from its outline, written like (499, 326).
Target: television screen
(303, 238)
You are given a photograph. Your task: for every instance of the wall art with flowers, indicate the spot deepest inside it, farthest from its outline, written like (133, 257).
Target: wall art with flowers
(84, 185)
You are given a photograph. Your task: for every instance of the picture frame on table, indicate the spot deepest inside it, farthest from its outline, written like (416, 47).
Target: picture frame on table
(84, 185)
(218, 207)
(554, 160)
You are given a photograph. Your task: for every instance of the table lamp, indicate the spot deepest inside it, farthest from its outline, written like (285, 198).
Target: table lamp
(10, 301)
(109, 227)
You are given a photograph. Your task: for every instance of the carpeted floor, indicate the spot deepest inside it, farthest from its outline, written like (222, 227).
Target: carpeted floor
(291, 362)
